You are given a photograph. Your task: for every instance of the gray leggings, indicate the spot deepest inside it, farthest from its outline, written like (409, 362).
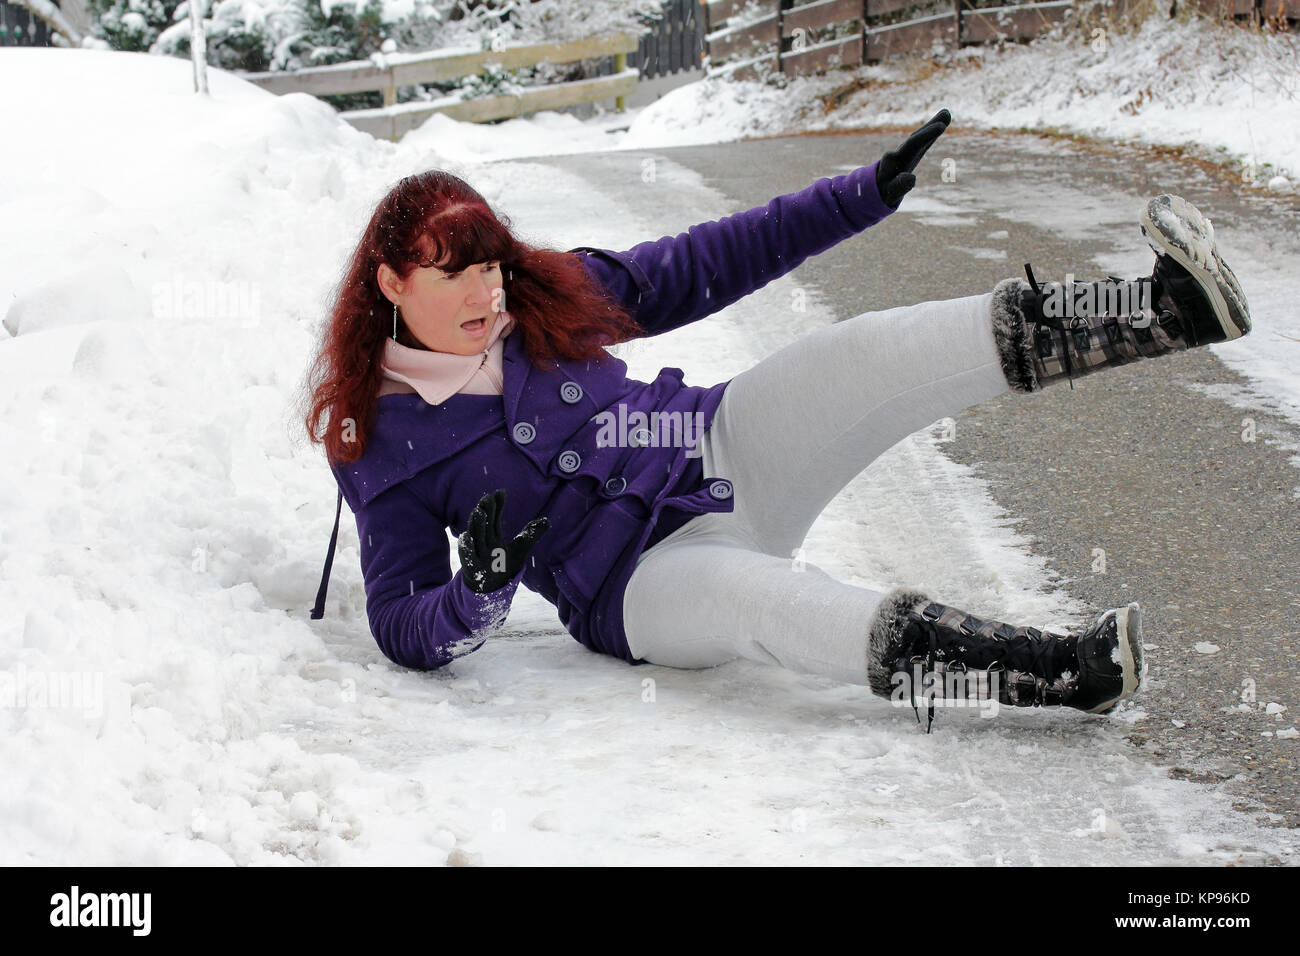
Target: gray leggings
(790, 433)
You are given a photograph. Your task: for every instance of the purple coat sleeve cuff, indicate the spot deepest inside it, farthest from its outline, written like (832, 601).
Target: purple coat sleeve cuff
(422, 616)
(482, 613)
(670, 282)
(858, 196)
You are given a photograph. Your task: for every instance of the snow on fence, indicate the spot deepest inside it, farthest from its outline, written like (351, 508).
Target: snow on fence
(387, 72)
(750, 38)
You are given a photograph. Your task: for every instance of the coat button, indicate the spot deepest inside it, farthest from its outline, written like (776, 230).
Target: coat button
(524, 432)
(615, 485)
(570, 392)
(639, 437)
(720, 489)
(569, 461)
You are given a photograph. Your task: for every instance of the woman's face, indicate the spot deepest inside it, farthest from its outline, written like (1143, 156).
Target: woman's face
(448, 311)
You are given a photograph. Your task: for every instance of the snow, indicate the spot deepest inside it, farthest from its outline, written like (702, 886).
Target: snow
(548, 133)
(168, 701)
(1229, 94)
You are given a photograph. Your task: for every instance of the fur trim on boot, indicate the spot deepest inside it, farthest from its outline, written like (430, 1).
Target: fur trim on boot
(1013, 338)
(886, 634)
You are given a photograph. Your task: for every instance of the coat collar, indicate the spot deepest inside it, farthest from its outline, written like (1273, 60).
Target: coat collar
(410, 434)
(437, 376)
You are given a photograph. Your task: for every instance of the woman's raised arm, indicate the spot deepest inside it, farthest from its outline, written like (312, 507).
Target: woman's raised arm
(670, 282)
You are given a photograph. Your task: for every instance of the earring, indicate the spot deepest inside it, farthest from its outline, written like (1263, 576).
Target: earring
(394, 321)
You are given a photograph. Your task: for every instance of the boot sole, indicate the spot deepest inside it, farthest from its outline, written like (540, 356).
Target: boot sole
(1176, 228)
(1128, 625)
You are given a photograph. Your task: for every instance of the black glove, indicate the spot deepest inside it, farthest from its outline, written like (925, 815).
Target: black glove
(894, 172)
(487, 560)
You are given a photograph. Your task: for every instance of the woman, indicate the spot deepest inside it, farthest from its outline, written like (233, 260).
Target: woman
(464, 383)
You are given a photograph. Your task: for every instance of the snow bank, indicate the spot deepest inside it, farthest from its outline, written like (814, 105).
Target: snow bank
(164, 260)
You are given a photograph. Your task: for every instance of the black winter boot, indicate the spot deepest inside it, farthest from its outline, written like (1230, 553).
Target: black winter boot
(919, 648)
(1054, 331)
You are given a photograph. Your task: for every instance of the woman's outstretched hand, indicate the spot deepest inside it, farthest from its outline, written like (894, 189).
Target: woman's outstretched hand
(487, 560)
(894, 171)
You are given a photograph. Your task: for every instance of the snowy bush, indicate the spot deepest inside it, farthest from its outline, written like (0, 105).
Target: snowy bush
(264, 35)
(130, 25)
(493, 81)
(259, 35)
(256, 35)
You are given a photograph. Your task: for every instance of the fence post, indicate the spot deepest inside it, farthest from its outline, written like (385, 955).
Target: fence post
(620, 64)
(781, 7)
(706, 26)
(865, 14)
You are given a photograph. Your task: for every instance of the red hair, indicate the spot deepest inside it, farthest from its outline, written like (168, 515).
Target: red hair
(557, 308)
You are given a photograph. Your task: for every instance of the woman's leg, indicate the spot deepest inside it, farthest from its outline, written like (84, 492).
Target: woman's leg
(789, 434)
(794, 429)
(704, 596)
(798, 426)
(802, 424)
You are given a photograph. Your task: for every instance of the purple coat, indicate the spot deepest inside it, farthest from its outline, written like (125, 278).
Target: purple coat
(426, 466)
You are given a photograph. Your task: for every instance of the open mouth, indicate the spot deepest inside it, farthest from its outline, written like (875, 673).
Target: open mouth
(475, 325)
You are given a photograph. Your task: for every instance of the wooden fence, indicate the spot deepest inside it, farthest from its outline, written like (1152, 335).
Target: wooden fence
(672, 43)
(19, 28)
(388, 72)
(751, 38)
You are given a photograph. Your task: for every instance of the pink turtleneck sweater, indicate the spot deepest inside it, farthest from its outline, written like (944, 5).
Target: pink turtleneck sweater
(436, 376)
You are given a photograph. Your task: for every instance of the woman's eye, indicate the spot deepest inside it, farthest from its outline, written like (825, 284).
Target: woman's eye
(489, 267)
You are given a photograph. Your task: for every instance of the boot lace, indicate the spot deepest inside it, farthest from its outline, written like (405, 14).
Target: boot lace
(1024, 687)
